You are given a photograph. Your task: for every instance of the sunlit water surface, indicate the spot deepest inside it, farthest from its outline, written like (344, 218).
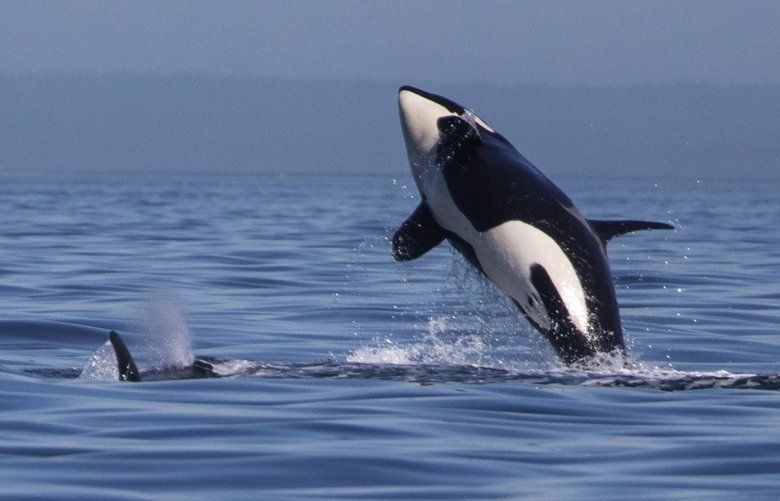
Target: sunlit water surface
(349, 375)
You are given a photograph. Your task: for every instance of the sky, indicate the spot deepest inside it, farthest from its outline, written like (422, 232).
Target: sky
(582, 88)
(497, 42)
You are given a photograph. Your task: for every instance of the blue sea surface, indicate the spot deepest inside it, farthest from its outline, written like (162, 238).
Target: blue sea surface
(349, 375)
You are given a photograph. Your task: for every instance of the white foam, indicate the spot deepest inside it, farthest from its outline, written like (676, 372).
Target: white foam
(102, 365)
(442, 345)
(233, 367)
(436, 347)
(617, 369)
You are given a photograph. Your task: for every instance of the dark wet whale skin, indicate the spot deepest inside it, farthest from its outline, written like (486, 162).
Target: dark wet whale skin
(490, 183)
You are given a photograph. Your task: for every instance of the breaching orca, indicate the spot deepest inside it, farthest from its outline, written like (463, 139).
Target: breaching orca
(512, 223)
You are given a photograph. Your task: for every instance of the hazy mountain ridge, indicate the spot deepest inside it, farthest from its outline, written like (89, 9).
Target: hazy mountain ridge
(72, 124)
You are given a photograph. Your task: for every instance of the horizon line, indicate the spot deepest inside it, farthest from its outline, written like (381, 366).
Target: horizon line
(378, 81)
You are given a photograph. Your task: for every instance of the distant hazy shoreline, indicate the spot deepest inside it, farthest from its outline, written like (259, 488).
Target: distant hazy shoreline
(191, 123)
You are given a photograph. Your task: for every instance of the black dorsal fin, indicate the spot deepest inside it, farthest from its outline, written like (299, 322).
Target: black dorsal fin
(417, 235)
(607, 230)
(127, 368)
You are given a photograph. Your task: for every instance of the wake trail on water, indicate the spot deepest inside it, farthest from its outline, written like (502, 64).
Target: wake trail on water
(449, 349)
(471, 360)
(430, 360)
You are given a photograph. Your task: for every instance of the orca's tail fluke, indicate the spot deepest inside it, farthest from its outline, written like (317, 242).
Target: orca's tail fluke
(127, 368)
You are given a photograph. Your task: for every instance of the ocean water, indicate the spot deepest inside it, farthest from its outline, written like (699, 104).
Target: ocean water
(349, 375)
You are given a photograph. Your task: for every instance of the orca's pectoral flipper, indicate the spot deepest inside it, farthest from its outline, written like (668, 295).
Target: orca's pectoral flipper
(417, 235)
(127, 368)
(607, 230)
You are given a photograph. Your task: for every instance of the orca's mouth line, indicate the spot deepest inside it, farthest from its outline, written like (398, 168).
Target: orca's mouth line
(450, 105)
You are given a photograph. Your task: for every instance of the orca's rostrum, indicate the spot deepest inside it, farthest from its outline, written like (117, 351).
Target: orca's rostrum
(512, 223)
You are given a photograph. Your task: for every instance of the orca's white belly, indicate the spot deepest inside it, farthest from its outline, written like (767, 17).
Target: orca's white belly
(506, 254)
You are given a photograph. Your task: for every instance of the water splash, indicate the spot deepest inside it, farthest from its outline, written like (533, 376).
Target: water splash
(167, 343)
(102, 365)
(436, 360)
(169, 340)
(441, 345)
